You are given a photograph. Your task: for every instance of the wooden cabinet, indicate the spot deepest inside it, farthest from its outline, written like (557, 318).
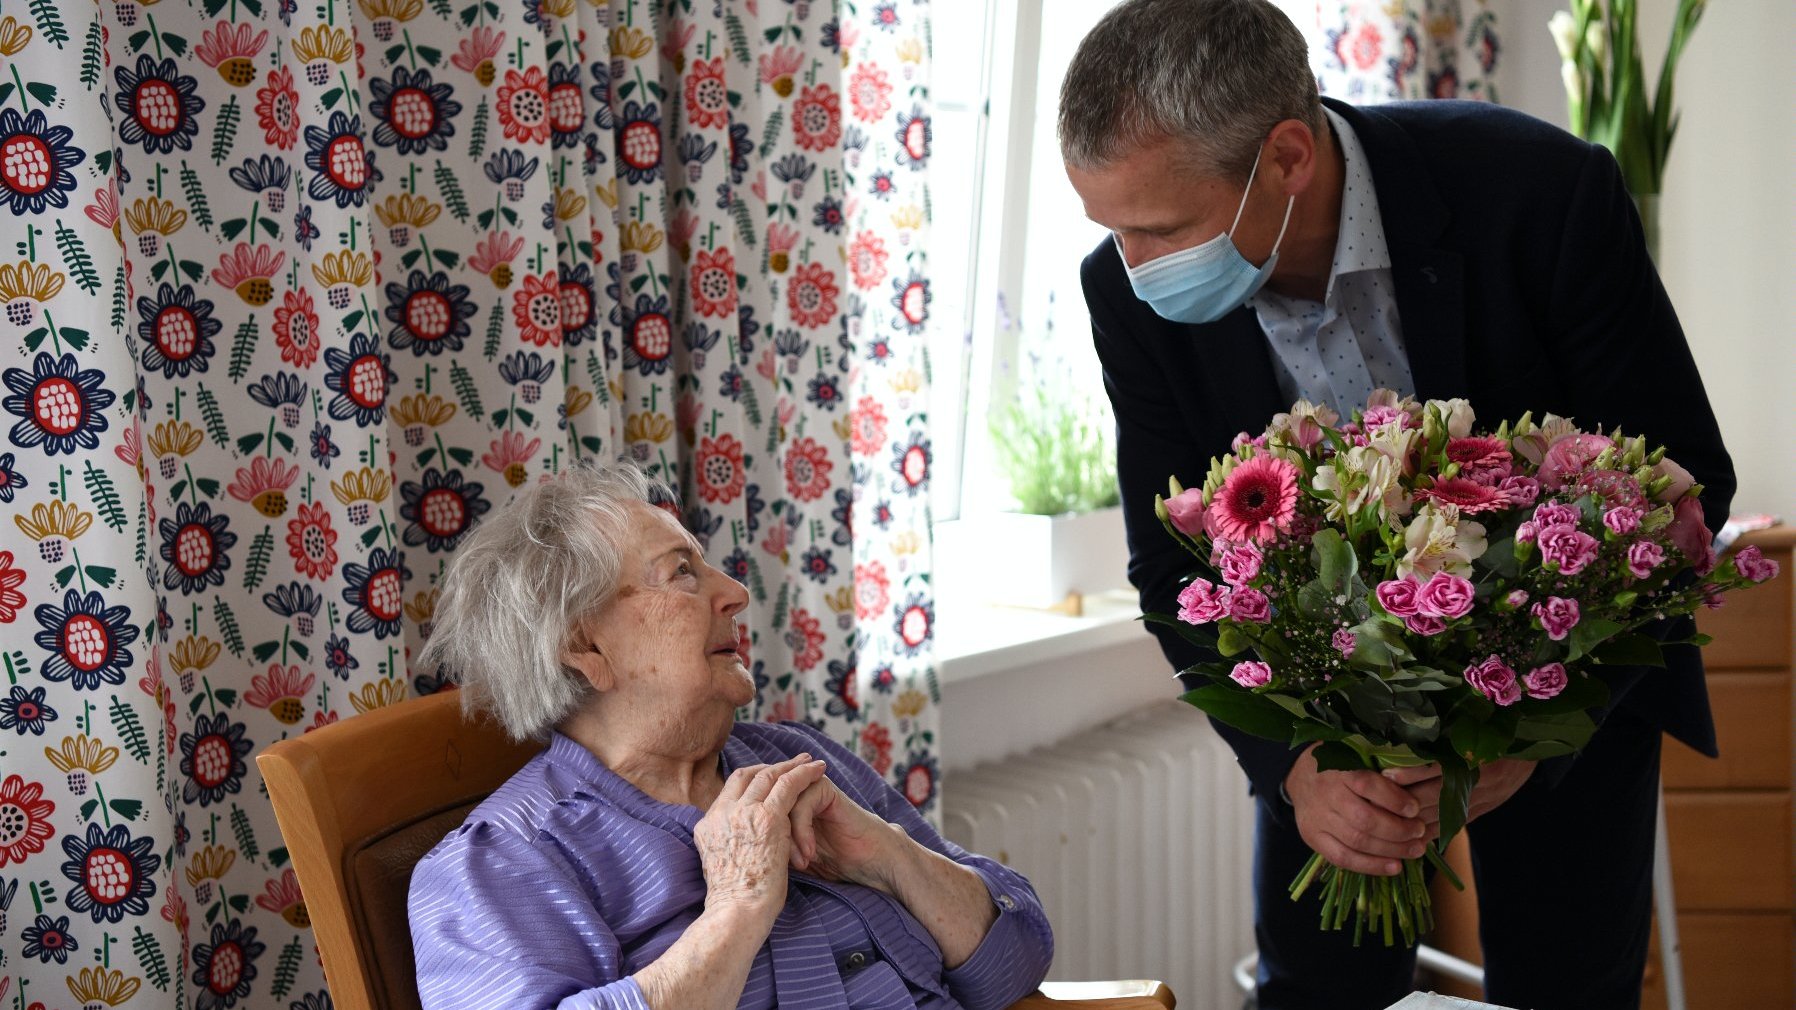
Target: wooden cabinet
(1729, 820)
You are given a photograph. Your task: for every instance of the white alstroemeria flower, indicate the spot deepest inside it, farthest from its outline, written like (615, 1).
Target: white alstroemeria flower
(1397, 443)
(1533, 446)
(1439, 540)
(1564, 29)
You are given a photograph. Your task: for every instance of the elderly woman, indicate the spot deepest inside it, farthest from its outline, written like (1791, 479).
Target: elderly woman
(658, 854)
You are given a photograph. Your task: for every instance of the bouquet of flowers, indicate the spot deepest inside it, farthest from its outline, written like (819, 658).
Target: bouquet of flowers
(1402, 590)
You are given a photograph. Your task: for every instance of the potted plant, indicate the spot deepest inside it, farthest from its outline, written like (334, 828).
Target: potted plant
(1056, 447)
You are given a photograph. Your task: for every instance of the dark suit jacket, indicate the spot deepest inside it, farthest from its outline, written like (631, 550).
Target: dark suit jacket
(1522, 283)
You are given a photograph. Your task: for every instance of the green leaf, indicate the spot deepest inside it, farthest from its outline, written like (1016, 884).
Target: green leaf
(1588, 634)
(1251, 713)
(1629, 650)
(88, 808)
(265, 650)
(1457, 781)
(6, 91)
(1570, 728)
(45, 93)
(102, 574)
(64, 575)
(1479, 740)
(1349, 754)
(1197, 634)
(225, 696)
(240, 902)
(1231, 641)
(331, 97)
(128, 809)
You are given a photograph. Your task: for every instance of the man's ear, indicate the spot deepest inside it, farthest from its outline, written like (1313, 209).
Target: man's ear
(1293, 149)
(582, 655)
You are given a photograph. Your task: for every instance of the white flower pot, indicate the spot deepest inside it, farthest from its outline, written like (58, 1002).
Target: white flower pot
(1036, 561)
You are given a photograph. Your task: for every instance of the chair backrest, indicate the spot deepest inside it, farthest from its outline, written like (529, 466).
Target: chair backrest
(359, 803)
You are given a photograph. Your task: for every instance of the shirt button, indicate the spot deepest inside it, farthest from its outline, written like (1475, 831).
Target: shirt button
(855, 960)
(1006, 902)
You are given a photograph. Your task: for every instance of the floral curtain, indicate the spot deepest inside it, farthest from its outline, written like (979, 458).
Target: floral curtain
(295, 293)
(1393, 50)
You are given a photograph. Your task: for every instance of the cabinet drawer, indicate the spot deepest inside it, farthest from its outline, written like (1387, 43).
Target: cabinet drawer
(1730, 851)
(1731, 961)
(1752, 631)
(1752, 723)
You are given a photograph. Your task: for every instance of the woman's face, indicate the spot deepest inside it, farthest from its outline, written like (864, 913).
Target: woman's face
(669, 636)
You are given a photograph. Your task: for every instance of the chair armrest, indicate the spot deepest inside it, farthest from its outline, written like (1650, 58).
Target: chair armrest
(1127, 994)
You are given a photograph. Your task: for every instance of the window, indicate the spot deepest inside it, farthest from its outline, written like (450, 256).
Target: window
(1008, 231)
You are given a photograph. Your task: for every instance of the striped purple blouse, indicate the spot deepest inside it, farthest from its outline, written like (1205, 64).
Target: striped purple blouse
(568, 880)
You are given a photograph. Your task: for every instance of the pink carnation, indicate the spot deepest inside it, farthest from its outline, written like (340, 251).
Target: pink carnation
(1518, 598)
(1398, 596)
(1526, 532)
(1753, 566)
(1544, 682)
(1256, 502)
(1239, 563)
(1422, 624)
(1445, 595)
(1495, 680)
(1344, 642)
(1250, 605)
(1557, 616)
(1622, 521)
(1522, 491)
(1643, 557)
(1570, 457)
(1377, 417)
(1556, 514)
(1251, 673)
(1202, 602)
(1568, 548)
(1186, 510)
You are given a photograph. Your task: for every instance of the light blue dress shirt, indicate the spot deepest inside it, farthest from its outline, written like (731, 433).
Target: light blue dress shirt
(1340, 349)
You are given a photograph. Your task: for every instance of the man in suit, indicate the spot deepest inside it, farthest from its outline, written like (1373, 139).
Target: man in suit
(1269, 245)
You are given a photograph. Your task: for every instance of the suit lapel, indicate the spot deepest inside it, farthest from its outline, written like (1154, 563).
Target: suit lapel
(1429, 279)
(1236, 363)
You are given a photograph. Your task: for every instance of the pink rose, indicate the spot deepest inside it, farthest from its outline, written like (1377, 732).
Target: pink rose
(1445, 595)
(1251, 673)
(1398, 596)
(1495, 681)
(1250, 605)
(1544, 682)
(1187, 511)
(1557, 617)
(1344, 641)
(1690, 535)
(1622, 520)
(1422, 624)
(1681, 481)
(1522, 491)
(1753, 566)
(1556, 514)
(1568, 548)
(1643, 557)
(1569, 457)
(1526, 532)
(1517, 598)
(1239, 562)
(1202, 602)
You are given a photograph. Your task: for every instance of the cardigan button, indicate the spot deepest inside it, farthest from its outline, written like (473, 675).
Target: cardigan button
(1006, 902)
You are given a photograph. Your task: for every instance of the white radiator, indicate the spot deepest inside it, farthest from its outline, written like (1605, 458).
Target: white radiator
(1138, 836)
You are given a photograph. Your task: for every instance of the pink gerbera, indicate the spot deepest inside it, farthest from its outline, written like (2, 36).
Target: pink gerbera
(1256, 502)
(1480, 457)
(1471, 496)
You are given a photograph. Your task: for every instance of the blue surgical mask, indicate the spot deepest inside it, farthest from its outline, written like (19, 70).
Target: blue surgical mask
(1208, 281)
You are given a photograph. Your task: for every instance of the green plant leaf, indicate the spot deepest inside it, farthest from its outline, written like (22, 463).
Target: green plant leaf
(1238, 707)
(1629, 650)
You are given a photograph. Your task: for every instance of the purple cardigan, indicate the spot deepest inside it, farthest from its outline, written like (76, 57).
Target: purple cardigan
(568, 880)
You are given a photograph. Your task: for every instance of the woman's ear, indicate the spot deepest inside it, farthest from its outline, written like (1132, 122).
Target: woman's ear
(583, 655)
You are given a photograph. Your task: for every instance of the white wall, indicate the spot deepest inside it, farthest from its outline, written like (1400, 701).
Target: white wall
(1728, 213)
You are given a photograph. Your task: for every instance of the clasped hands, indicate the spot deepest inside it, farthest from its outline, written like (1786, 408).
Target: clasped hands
(769, 818)
(1366, 821)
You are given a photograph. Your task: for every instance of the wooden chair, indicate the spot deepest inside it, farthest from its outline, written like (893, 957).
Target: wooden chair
(361, 801)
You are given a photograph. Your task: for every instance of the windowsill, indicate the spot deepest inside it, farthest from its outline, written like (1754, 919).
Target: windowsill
(974, 639)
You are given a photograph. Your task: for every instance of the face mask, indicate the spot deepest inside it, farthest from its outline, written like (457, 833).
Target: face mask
(1206, 282)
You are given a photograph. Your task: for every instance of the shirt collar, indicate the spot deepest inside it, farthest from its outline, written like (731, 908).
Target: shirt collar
(1360, 243)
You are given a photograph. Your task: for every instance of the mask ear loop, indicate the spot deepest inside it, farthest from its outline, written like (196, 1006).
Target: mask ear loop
(1290, 204)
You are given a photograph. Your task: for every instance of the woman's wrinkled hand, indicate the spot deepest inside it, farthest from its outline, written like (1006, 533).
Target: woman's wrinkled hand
(835, 838)
(745, 839)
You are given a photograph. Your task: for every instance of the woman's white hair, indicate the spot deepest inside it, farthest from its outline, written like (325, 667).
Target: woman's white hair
(519, 584)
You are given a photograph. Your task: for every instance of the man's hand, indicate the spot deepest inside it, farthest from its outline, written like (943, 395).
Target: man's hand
(1358, 820)
(1497, 782)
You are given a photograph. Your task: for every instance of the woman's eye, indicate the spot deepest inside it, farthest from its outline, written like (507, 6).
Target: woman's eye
(684, 569)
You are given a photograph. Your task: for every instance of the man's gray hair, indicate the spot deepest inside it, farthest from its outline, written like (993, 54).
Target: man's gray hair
(1215, 74)
(519, 584)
